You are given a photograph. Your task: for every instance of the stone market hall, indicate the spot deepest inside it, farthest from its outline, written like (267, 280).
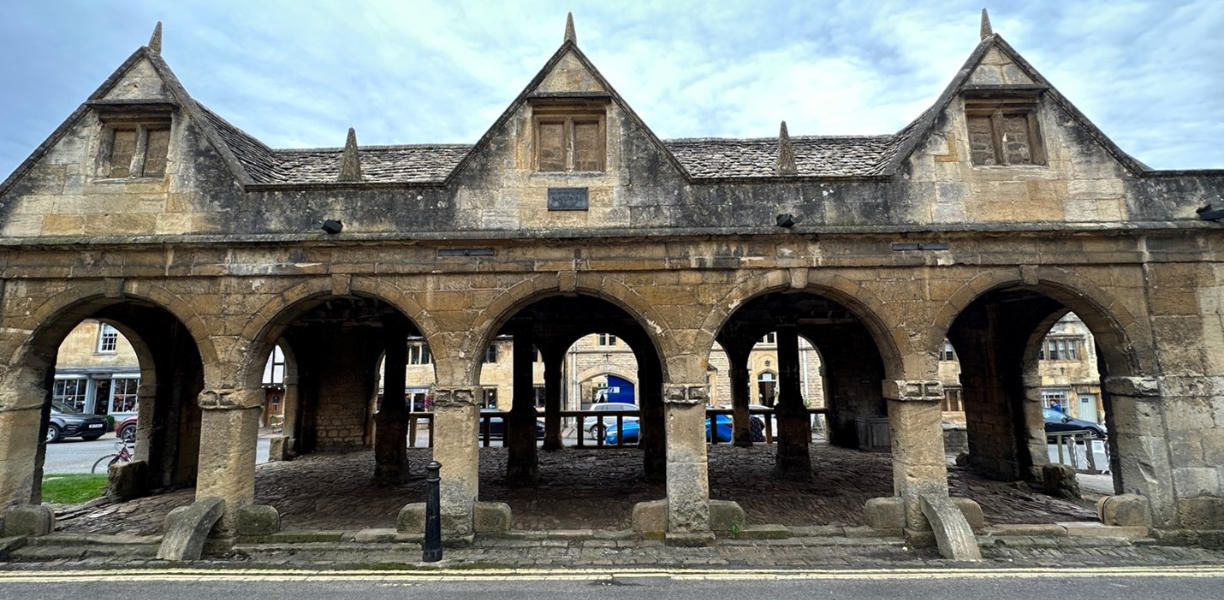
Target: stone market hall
(994, 214)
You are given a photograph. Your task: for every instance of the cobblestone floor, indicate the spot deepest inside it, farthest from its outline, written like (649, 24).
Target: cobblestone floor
(581, 489)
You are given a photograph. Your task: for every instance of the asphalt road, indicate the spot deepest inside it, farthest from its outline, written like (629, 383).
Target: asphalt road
(78, 456)
(1202, 583)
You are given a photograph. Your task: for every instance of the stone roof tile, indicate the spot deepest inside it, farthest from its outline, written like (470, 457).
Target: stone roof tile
(815, 156)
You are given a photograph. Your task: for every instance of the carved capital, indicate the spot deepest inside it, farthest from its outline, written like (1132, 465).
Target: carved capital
(685, 394)
(452, 398)
(1135, 387)
(230, 399)
(913, 390)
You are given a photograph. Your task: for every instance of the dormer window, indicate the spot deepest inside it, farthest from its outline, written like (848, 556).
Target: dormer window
(135, 141)
(1004, 132)
(569, 137)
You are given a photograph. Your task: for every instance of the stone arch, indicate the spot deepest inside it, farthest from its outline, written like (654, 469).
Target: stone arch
(539, 287)
(57, 315)
(593, 372)
(1107, 317)
(891, 341)
(263, 330)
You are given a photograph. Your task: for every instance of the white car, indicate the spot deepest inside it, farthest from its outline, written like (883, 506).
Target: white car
(593, 425)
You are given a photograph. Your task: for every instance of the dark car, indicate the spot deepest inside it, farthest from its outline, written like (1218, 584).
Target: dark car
(497, 427)
(126, 429)
(1058, 422)
(66, 422)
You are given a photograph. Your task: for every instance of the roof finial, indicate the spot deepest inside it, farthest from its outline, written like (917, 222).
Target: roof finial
(155, 41)
(570, 35)
(350, 163)
(785, 164)
(986, 30)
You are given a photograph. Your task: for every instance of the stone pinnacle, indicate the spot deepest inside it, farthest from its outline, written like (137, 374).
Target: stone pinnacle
(785, 164)
(155, 41)
(570, 34)
(986, 30)
(350, 163)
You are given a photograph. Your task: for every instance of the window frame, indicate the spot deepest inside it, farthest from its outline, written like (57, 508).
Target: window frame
(996, 109)
(144, 121)
(568, 114)
(108, 339)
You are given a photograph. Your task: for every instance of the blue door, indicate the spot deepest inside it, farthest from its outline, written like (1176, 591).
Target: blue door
(620, 390)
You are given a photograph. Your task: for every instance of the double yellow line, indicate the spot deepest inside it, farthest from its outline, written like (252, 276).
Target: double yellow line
(434, 574)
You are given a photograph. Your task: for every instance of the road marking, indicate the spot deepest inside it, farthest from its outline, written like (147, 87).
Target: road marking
(272, 575)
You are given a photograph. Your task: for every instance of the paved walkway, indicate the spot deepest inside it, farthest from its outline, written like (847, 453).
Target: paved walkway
(581, 489)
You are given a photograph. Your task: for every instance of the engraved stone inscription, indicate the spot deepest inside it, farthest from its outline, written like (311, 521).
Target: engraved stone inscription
(570, 198)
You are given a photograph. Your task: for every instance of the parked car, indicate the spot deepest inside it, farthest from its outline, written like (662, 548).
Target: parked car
(66, 422)
(1058, 422)
(596, 425)
(723, 430)
(126, 429)
(497, 428)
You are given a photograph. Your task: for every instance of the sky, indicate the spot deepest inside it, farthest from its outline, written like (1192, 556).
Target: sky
(298, 74)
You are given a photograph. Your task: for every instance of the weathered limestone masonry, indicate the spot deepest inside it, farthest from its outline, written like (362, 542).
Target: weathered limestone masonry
(998, 210)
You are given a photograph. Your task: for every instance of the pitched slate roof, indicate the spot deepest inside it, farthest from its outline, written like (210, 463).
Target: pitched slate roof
(422, 163)
(815, 156)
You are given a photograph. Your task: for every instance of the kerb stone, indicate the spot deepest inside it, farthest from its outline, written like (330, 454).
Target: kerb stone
(886, 514)
(257, 520)
(650, 518)
(1125, 510)
(411, 518)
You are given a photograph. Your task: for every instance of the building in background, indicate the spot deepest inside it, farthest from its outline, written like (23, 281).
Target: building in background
(96, 371)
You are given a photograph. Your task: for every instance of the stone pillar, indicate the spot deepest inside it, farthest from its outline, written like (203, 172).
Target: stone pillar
(456, 410)
(293, 406)
(688, 487)
(1034, 422)
(915, 427)
(146, 397)
(522, 464)
(21, 408)
(1139, 445)
(737, 356)
(794, 424)
(391, 422)
(228, 438)
(554, 367)
(653, 432)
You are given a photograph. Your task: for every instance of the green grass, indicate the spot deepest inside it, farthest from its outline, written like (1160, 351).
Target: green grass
(72, 489)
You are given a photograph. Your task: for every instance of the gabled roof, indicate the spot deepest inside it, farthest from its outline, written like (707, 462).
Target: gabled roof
(921, 128)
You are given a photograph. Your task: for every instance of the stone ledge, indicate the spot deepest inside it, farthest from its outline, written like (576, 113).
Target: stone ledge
(1102, 530)
(762, 532)
(11, 544)
(1039, 530)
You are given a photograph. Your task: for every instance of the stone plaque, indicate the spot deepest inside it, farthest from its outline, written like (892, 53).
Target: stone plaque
(570, 198)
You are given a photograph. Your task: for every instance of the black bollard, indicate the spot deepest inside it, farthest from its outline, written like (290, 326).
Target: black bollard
(432, 551)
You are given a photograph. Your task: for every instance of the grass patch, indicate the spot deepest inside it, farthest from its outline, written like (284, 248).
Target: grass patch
(72, 489)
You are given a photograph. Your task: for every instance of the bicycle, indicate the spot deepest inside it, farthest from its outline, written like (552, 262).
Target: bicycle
(123, 454)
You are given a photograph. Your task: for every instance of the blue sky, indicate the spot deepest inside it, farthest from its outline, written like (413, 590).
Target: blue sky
(299, 73)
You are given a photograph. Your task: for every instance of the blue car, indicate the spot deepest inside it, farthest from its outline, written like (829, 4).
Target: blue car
(632, 431)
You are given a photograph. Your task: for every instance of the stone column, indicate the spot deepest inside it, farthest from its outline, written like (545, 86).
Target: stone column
(1139, 446)
(522, 464)
(1034, 422)
(229, 432)
(22, 401)
(456, 410)
(794, 425)
(293, 407)
(391, 422)
(554, 367)
(146, 397)
(915, 427)
(688, 487)
(653, 434)
(737, 357)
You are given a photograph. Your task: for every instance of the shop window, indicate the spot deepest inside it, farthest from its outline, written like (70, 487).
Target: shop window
(123, 394)
(70, 393)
